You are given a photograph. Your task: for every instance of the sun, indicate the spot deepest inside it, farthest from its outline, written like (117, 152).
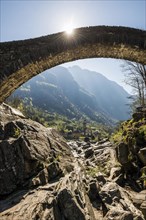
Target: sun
(69, 29)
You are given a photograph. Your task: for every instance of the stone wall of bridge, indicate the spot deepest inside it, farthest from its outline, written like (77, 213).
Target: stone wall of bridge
(21, 60)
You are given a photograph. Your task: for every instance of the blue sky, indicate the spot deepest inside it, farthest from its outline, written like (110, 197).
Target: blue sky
(24, 19)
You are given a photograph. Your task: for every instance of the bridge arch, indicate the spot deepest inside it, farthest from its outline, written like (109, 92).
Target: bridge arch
(21, 60)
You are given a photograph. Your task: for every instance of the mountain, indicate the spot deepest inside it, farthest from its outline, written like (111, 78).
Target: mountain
(110, 97)
(76, 93)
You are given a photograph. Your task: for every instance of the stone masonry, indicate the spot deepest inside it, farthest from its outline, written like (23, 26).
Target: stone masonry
(21, 60)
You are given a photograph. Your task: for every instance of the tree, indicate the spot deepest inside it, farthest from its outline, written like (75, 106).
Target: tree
(135, 76)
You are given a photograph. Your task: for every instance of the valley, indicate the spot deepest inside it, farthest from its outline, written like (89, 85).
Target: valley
(66, 99)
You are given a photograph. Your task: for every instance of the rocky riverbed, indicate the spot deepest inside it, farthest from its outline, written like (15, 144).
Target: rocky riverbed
(44, 177)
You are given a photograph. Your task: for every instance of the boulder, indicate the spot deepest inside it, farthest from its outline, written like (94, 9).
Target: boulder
(68, 206)
(93, 191)
(100, 178)
(108, 192)
(142, 155)
(122, 153)
(89, 152)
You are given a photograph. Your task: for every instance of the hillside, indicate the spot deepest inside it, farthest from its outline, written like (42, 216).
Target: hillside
(92, 96)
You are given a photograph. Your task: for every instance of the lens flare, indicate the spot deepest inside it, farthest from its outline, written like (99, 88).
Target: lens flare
(69, 30)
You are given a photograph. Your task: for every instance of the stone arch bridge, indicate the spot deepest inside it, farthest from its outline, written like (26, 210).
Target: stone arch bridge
(21, 60)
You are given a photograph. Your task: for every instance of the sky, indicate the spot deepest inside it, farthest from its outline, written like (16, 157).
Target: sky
(22, 19)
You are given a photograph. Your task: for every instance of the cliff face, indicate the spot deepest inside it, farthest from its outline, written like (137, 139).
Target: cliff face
(43, 177)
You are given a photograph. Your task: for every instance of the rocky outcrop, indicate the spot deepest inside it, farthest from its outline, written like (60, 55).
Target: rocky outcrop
(122, 153)
(43, 177)
(130, 142)
(30, 154)
(104, 177)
